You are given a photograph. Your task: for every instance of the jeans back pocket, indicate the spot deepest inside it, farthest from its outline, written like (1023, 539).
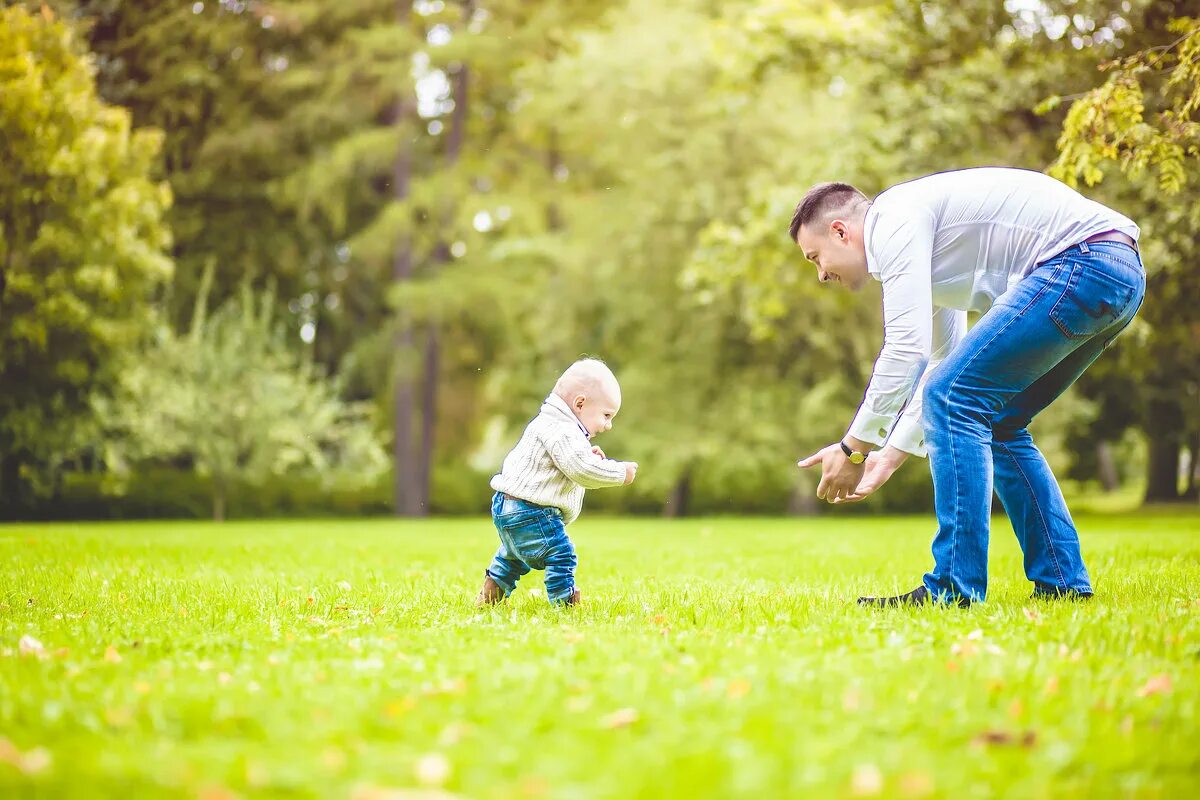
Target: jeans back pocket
(1093, 299)
(526, 534)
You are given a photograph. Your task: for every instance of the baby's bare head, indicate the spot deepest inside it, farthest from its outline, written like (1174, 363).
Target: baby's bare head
(591, 390)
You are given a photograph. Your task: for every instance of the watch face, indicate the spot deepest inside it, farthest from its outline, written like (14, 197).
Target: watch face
(857, 458)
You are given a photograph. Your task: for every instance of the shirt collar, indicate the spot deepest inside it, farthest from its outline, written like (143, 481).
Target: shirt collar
(559, 405)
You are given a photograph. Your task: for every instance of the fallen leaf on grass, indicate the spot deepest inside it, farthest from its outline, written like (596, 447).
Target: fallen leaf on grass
(621, 718)
(737, 688)
(29, 646)
(432, 769)
(1159, 684)
(1005, 738)
(389, 793)
(30, 762)
(866, 781)
(111, 655)
(916, 784)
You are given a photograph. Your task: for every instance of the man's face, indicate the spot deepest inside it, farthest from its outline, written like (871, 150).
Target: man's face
(838, 251)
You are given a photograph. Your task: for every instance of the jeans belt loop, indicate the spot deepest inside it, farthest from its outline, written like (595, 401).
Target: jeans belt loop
(1083, 248)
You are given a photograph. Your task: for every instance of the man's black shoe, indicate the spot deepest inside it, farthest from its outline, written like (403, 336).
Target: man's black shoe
(917, 597)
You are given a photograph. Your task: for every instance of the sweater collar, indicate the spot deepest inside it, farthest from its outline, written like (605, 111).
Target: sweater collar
(558, 407)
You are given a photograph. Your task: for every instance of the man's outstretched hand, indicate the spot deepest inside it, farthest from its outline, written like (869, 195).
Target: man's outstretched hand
(880, 466)
(839, 477)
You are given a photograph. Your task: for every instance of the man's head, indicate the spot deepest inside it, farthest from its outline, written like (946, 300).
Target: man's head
(828, 227)
(591, 390)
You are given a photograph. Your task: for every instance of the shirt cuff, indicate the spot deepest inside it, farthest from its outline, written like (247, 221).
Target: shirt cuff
(871, 427)
(909, 436)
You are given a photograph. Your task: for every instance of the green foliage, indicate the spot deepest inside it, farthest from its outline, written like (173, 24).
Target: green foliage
(1108, 124)
(82, 243)
(233, 400)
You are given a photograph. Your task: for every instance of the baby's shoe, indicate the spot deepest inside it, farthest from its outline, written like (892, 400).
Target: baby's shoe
(490, 594)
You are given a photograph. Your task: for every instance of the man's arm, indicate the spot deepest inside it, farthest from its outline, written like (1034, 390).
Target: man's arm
(949, 327)
(904, 244)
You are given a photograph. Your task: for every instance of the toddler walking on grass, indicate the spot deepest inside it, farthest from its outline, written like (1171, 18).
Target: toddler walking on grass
(540, 488)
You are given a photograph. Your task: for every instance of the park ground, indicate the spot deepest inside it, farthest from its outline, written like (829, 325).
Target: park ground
(713, 658)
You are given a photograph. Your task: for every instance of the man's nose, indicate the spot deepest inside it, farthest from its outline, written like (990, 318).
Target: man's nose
(822, 276)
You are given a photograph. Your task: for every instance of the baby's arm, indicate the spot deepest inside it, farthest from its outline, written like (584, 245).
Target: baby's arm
(574, 456)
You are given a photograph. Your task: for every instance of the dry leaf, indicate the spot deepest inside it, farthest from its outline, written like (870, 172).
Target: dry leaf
(432, 769)
(29, 646)
(621, 718)
(1159, 684)
(387, 793)
(916, 784)
(1051, 685)
(31, 762)
(1026, 739)
(866, 781)
(111, 655)
(738, 687)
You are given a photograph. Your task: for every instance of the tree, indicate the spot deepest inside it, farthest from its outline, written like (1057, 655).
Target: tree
(231, 399)
(82, 244)
(1144, 120)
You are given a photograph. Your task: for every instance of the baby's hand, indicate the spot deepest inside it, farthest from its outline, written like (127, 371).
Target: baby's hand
(630, 471)
(599, 452)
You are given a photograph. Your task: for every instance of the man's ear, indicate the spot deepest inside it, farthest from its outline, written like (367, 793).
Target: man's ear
(578, 402)
(839, 228)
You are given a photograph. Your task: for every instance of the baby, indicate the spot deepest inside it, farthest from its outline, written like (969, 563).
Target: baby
(539, 490)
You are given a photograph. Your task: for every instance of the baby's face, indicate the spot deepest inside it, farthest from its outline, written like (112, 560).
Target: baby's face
(597, 409)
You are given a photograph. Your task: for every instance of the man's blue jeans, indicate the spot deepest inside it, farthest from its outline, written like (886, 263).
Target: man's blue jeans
(532, 537)
(1022, 354)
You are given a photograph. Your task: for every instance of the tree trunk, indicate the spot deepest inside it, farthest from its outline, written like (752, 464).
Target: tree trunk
(1162, 475)
(1192, 489)
(554, 220)
(1107, 467)
(432, 359)
(681, 495)
(429, 392)
(407, 486)
(218, 500)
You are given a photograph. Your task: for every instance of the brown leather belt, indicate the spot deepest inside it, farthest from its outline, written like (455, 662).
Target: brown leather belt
(1112, 236)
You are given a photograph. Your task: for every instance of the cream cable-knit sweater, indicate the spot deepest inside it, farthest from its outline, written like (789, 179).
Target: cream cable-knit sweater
(553, 463)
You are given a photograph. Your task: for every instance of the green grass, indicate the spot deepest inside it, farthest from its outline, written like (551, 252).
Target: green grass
(713, 658)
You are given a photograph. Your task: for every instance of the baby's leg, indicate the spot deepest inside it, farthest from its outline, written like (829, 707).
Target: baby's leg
(560, 564)
(506, 570)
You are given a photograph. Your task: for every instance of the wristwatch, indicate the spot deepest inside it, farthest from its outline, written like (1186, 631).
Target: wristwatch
(854, 456)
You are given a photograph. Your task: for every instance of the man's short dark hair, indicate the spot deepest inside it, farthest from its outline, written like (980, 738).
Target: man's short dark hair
(822, 199)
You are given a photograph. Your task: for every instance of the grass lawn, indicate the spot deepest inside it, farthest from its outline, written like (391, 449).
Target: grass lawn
(717, 658)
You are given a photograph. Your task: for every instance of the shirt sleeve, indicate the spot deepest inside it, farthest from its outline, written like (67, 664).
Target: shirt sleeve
(904, 244)
(572, 453)
(949, 327)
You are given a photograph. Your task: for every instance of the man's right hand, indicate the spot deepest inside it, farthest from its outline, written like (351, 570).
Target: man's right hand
(880, 467)
(630, 471)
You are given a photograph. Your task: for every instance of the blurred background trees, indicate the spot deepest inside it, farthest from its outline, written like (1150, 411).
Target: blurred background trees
(447, 201)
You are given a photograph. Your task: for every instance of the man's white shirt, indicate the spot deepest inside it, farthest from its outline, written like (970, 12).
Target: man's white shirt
(947, 244)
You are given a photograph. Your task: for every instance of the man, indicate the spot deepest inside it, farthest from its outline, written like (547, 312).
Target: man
(1056, 277)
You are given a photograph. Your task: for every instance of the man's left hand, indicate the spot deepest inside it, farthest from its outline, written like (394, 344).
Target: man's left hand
(839, 477)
